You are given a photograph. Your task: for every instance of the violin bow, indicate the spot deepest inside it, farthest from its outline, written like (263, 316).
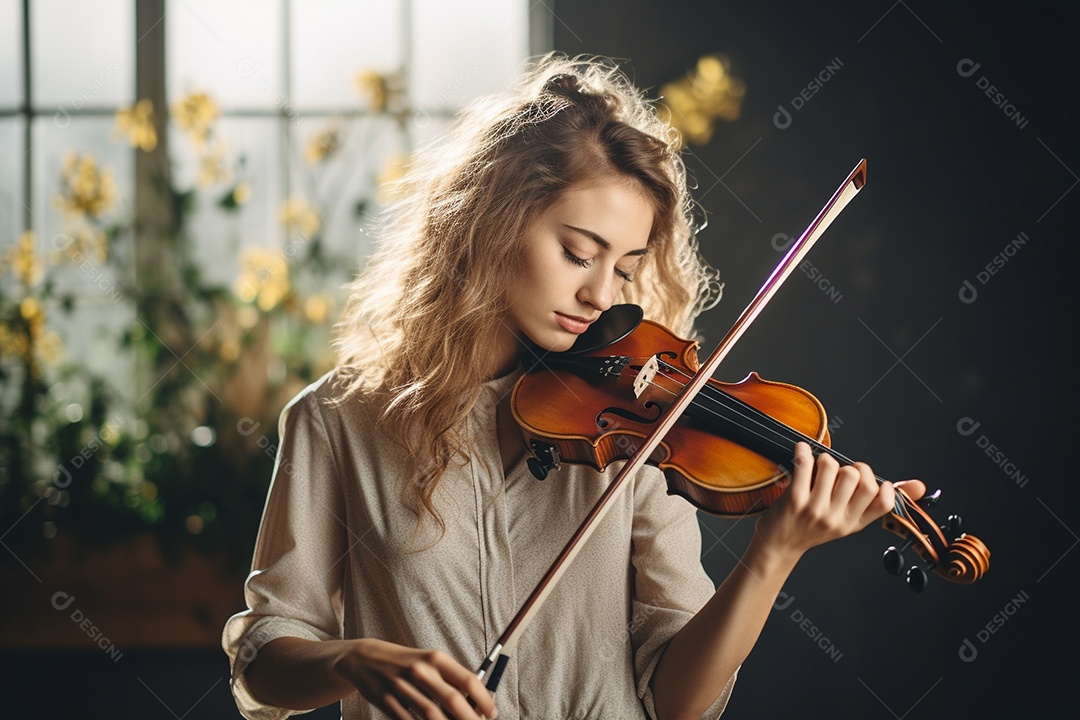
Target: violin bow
(491, 668)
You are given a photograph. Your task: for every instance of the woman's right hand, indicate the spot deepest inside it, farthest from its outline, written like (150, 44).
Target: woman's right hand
(408, 683)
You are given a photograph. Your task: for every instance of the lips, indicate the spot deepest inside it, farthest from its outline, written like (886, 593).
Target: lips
(572, 323)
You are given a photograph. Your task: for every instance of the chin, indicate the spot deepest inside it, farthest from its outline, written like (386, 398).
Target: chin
(555, 342)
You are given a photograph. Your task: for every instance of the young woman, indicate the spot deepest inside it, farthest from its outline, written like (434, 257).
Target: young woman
(403, 529)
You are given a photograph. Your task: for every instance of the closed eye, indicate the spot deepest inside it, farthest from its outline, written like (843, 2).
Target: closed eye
(580, 262)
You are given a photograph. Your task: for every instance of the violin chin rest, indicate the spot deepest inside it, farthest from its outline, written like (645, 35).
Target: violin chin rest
(613, 325)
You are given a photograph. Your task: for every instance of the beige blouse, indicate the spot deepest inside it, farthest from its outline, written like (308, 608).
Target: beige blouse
(337, 557)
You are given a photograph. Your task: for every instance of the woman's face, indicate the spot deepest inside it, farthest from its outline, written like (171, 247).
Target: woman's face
(578, 255)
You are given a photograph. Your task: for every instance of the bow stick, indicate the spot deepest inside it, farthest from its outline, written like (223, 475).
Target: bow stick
(492, 667)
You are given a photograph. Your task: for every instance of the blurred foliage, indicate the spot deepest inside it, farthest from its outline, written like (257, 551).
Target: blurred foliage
(192, 460)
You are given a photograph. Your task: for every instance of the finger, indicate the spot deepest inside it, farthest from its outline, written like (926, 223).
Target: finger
(854, 490)
(455, 683)
(914, 489)
(416, 703)
(872, 498)
(847, 486)
(801, 473)
(883, 503)
(864, 489)
(472, 688)
(397, 708)
(826, 469)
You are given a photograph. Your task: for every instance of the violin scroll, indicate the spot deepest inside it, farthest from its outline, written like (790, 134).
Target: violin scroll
(964, 559)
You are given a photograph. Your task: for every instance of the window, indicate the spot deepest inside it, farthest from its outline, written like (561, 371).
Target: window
(284, 77)
(282, 118)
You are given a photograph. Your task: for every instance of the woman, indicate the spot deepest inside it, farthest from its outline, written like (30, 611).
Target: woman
(403, 530)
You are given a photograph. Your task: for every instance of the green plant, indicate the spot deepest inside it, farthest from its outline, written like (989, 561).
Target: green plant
(191, 459)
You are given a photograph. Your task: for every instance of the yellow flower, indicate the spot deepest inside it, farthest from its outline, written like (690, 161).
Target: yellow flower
(212, 169)
(693, 103)
(139, 125)
(298, 215)
(50, 348)
(24, 260)
(87, 244)
(241, 193)
(84, 188)
(376, 88)
(322, 146)
(13, 343)
(30, 309)
(264, 277)
(195, 114)
(32, 341)
(316, 309)
(721, 94)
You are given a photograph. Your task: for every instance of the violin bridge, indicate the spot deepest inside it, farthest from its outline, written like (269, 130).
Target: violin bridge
(645, 376)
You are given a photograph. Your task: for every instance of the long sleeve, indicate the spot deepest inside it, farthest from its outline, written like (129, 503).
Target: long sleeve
(338, 555)
(297, 574)
(670, 585)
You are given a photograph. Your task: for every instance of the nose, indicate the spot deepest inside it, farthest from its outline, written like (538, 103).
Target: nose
(599, 291)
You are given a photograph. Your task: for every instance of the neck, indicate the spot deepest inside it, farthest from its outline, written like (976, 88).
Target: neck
(505, 354)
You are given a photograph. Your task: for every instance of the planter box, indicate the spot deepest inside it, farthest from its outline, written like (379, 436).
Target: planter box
(125, 597)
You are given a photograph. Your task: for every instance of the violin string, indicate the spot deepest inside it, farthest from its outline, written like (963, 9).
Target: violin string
(770, 427)
(771, 430)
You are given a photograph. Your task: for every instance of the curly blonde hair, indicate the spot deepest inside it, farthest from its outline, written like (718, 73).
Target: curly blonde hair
(453, 240)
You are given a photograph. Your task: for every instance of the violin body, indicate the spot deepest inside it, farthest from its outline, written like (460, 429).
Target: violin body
(596, 420)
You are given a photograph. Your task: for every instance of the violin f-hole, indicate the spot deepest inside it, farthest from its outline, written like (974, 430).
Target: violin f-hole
(603, 423)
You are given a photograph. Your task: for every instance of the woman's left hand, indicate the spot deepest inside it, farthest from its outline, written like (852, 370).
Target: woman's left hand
(826, 501)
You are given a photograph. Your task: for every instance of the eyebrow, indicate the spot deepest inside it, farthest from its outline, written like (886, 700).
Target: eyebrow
(601, 241)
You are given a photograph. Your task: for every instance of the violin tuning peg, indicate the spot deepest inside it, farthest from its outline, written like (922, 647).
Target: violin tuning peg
(953, 525)
(893, 559)
(917, 579)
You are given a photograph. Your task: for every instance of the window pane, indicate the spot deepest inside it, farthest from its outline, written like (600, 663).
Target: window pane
(74, 66)
(466, 48)
(428, 128)
(340, 185)
(92, 339)
(83, 136)
(244, 150)
(12, 194)
(231, 51)
(333, 40)
(11, 52)
(68, 242)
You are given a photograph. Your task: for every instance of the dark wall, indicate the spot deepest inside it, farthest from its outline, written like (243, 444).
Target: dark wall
(905, 357)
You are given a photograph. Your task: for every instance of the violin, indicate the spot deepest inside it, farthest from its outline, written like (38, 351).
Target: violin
(730, 452)
(630, 389)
